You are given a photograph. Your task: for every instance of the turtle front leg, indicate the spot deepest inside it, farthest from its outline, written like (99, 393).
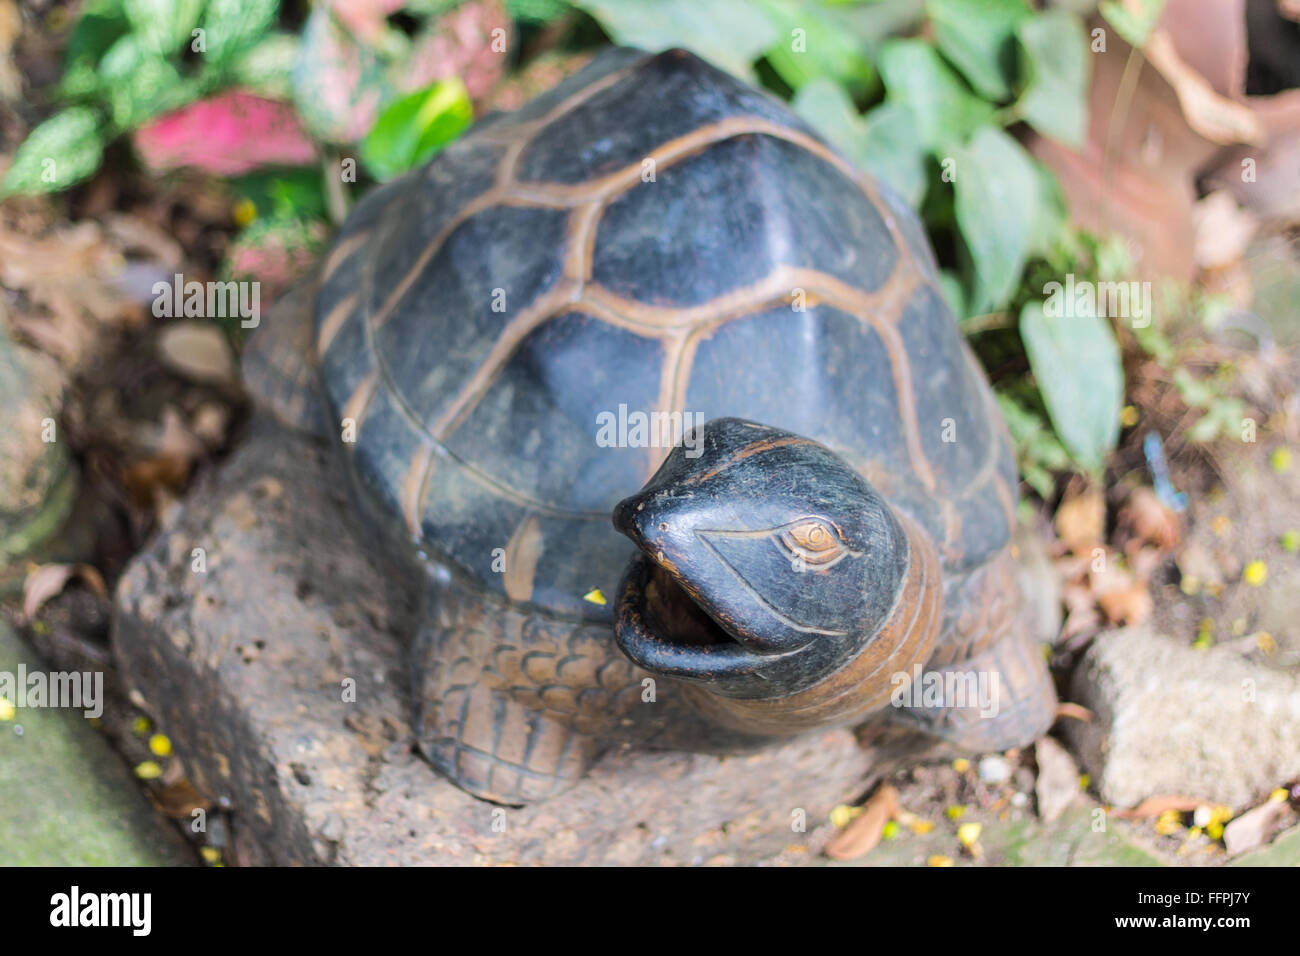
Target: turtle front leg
(515, 707)
(987, 686)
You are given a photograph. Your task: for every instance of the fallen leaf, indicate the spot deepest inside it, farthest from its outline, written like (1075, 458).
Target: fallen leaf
(864, 832)
(1255, 827)
(179, 800)
(1081, 520)
(1146, 517)
(1155, 806)
(197, 350)
(1217, 118)
(1074, 711)
(1128, 605)
(48, 580)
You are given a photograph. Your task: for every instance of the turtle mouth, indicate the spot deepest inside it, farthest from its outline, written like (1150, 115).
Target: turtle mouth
(671, 611)
(662, 629)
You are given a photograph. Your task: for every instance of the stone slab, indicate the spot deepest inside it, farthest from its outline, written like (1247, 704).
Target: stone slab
(244, 665)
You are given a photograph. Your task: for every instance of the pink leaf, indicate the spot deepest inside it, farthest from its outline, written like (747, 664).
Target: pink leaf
(227, 135)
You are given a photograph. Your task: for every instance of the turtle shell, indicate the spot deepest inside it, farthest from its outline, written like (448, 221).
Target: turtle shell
(651, 235)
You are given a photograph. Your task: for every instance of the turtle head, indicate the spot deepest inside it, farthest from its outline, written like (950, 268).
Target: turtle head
(765, 562)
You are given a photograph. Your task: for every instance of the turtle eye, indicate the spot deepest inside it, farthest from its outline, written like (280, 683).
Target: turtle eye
(812, 544)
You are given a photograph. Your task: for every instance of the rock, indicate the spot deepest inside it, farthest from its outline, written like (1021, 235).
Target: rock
(1170, 719)
(1057, 785)
(244, 668)
(37, 482)
(68, 798)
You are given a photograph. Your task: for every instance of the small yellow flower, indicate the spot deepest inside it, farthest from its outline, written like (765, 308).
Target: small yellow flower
(6, 709)
(210, 854)
(1291, 541)
(160, 745)
(1204, 634)
(244, 212)
(140, 726)
(1190, 585)
(1169, 822)
(841, 815)
(1214, 830)
(148, 770)
(937, 860)
(1084, 781)
(890, 829)
(961, 765)
(1278, 795)
(1280, 459)
(1256, 573)
(595, 596)
(1129, 416)
(956, 811)
(968, 833)
(1264, 641)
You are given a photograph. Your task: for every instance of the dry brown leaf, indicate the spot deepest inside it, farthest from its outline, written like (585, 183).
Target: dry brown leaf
(152, 481)
(179, 800)
(1128, 605)
(48, 580)
(1147, 518)
(1074, 711)
(1256, 826)
(1217, 118)
(1081, 520)
(1154, 806)
(197, 350)
(863, 832)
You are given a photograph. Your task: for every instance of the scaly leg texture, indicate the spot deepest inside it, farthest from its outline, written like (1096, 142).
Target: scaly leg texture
(988, 659)
(514, 707)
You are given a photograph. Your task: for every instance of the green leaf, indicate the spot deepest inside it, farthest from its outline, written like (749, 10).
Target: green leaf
(1039, 452)
(163, 25)
(1049, 222)
(941, 105)
(140, 84)
(815, 42)
(63, 150)
(730, 34)
(997, 200)
(98, 28)
(231, 27)
(1054, 50)
(978, 37)
(1076, 363)
(893, 151)
(413, 128)
(830, 111)
(884, 142)
(267, 68)
(1135, 26)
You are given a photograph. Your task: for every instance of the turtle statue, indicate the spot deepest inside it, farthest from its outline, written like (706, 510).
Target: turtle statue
(653, 294)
